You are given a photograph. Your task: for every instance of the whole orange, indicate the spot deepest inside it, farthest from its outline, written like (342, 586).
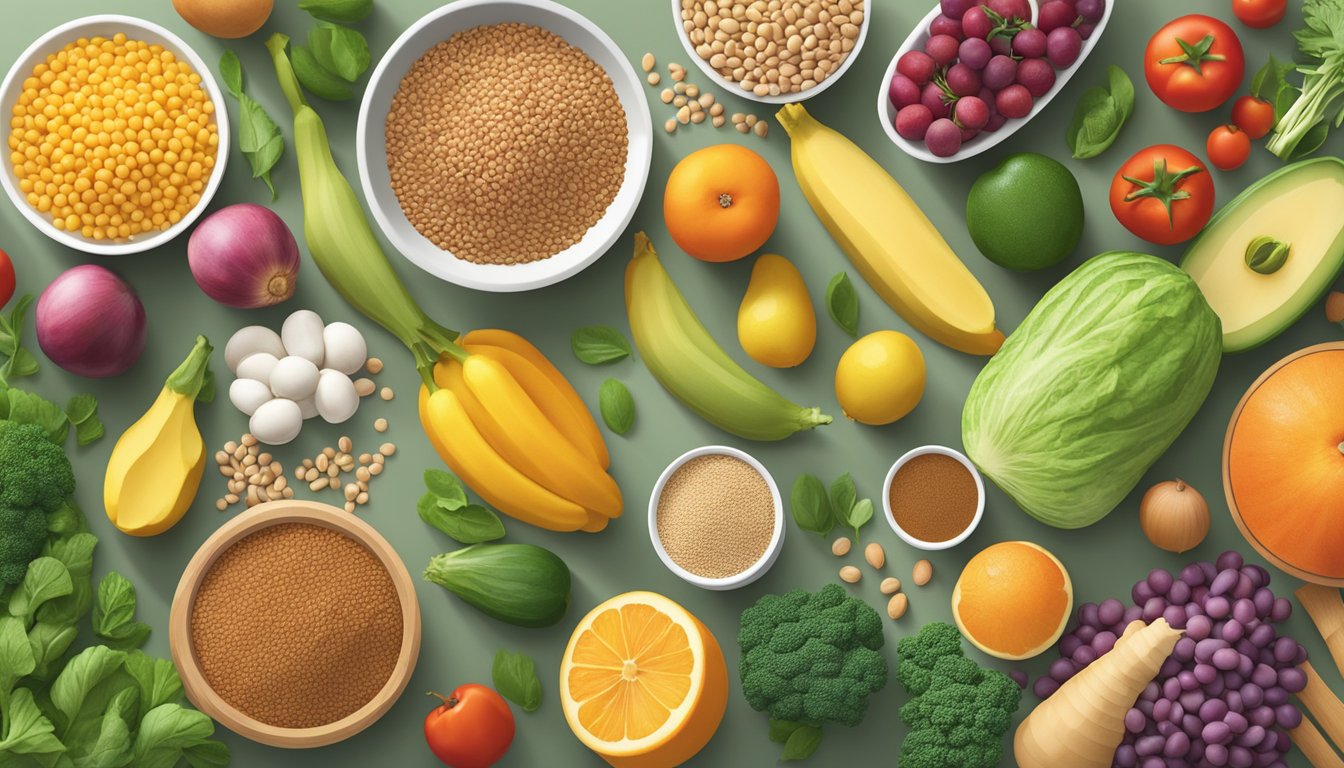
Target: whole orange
(721, 203)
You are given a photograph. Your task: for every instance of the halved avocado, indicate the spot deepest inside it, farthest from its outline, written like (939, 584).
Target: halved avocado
(1300, 206)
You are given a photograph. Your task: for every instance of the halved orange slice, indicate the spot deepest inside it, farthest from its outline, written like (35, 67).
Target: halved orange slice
(643, 683)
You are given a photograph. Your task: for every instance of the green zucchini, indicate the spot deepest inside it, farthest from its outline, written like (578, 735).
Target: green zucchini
(520, 584)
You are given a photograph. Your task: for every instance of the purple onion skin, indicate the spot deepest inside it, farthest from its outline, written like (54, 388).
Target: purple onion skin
(244, 256)
(90, 322)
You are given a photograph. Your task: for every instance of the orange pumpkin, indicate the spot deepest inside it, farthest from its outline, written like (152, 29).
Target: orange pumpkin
(721, 203)
(1283, 464)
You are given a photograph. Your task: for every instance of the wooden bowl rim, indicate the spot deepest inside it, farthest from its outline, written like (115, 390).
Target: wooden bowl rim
(198, 690)
(1279, 562)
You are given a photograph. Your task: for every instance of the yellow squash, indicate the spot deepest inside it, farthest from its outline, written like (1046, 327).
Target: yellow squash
(776, 323)
(888, 238)
(156, 465)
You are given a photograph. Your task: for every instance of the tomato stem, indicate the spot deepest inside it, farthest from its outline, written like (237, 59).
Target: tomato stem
(1162, 187)
(1195, 55)
(448, 701)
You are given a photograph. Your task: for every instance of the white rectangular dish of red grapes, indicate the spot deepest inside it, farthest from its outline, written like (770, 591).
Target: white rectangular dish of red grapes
(973, 72)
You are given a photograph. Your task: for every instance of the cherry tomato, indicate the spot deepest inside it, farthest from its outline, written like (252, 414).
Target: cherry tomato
(1259, 14)
(1229, 147)
(1194, 64)
(1163, 194)
(472, 728)
(7, 280)
(1254, 116)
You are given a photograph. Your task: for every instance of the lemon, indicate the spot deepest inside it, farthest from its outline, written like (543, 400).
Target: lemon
(880, 378)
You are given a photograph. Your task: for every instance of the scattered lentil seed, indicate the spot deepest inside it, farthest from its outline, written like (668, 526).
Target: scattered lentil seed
(648, 62)
(751, 120)
(898, 605)
(679, 102)
(738, 117)
(667, 95)
(717, 120)
(715, 516)
(890, 585)
(762, 129)
(655, 78)
(364, 387)
(840, 547)
(850, 574)
(679, 88)
(386, 449)
(922, 573)
(386, 393)
(697, 117)
(875, 555)
(380, 425)
(671, 125)
(743, 128)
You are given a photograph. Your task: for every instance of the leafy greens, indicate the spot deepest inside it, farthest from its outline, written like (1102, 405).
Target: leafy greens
(1304, 113)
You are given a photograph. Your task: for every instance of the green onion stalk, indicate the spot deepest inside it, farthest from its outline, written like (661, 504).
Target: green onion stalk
(1302, 128)
(341, 241)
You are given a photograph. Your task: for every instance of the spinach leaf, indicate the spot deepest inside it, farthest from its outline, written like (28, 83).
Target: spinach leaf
(617, 406)
(802, 743)
(471, 524)
(340, 50)
(515, 677)
(28, 408)
(156, 680)
(110, 746)
(16, 654)
(168, 731)
(82, 411)
(842, 303)
(1267, 81)
(18, 361)
(338, 10)
(114, 614)
(259, 138)
(597, 344)
(860, 514)
(30, 732)
(46, 579)
(446, 488)
(843, 496)
(810, 506)
(781, 730)
(1100, 114)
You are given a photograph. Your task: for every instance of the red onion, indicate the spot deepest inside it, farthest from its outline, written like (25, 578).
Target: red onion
(244, 256)
(90, 322)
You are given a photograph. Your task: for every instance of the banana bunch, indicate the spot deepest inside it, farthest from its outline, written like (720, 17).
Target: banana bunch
(510, 425)
(686, 360)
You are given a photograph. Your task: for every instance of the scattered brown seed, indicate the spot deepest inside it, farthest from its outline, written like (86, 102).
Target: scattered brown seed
(897, 605)
(850, 574)
(697, 117)
(387, 449)
(364, 387)
(762, 129)
(648, 62)
(840, 547)
(666, 96)
(221, 504)
(743, 128)
(890, 585)
(875, 555)
(386, 393)
(717, 120)
(922, 573)
(671, 125)
(751, 120)
(320, 484)
(655, 78)
(380, 425)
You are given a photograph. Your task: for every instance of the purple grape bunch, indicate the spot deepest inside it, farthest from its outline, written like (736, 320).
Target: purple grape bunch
(1222, 698)
(984, 64)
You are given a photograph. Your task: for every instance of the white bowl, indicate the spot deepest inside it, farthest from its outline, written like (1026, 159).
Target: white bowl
(108, 25)
(432, 29)
(985, 141)
(784, 98)
(933, 546)
(758, 569)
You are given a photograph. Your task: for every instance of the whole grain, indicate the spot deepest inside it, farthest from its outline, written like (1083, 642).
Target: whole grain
(716, 516)
(933, 497)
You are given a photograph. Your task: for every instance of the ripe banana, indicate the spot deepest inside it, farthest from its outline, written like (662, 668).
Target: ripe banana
(469, 455)
(545, 384)
(693, 367)
(515, 427)
(888, 238)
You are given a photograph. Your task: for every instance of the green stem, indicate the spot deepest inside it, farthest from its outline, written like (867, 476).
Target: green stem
(1194, 55)
(284, 71)
(191, 375)
(1163, 186)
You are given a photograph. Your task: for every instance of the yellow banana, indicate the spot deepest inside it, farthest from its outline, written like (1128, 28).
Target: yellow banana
(519, 431)
(469, 455)
(577, 426)
(692, 366)
(888, 238)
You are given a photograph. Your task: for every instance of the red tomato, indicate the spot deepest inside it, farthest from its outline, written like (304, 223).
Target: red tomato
(472, 728)
(1194, 64)
(1254, 116)
(1229, 147)
(1259, 14)
(7, 280)
(1163, 194)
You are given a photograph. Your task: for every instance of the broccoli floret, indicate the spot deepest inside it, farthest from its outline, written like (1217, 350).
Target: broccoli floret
(959, 711)
(811, 657)
(35, 481)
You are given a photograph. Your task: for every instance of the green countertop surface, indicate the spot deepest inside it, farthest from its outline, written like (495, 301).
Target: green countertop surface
(458, 642)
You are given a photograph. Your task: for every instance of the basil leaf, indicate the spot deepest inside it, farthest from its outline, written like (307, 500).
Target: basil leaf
(802, 743)
(860, 514)
(842, 303)
(18, 360)
(617, 406)
(781, 730)
(1267, 81)
(340, 50)
(114, 614)
(843, 496)
(82, 411)
(471, 524)
(810, 506)
(1100, 114)
(315, 78)
(1122, 90)
(231, 72)
(338, 10)
(446, 488)
(515, 677)
(259, 138)
(598, 344)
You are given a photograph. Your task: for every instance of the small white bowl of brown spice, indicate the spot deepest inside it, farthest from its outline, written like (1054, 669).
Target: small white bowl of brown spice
(933, 497)
(504, 145)
(716, 518)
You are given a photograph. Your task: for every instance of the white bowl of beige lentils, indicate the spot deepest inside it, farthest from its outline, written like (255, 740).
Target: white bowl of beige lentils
(117, 135)
(716, 518)
(504, 144)
(773, 51)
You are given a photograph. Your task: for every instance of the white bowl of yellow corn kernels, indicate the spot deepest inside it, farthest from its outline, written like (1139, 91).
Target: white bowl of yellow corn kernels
(126, 175)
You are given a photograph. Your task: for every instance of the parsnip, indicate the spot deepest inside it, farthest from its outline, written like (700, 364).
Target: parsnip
(1313, 745)
(1322, 704)
(1326, 609)
(1084, 721)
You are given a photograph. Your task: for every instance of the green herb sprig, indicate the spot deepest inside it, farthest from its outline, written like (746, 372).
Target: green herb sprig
(617, 406)
(842, 303)
(598, 344)
(259, 138)
(445, 506)
(816, 510)
(1100, 114)
(515, 677)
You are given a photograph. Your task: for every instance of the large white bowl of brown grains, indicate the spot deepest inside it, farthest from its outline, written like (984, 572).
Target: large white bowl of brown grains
(504, 144)
(716, 518)
(124, 174)
(295, 625)
(773, 52)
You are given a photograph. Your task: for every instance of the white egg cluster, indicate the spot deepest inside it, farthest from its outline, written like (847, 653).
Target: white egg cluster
(302, 372)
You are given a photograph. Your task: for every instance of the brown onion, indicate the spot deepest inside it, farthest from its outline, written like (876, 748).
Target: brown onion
(1174, 516)
(244, 256)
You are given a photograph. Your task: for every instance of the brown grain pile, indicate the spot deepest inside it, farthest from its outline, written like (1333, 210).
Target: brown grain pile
(297, 625)
(505, 144)
(933, 497)
(716, 516)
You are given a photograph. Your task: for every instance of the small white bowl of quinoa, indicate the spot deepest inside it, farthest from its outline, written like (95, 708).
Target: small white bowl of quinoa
(504, 145)
(716, 518)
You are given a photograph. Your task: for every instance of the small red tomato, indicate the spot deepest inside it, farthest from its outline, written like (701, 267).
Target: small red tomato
(472, 728)
(1229, 147)
(1194, 63)
(1163, 194)
(1254, 116)
(7, 280)
(1259, 14)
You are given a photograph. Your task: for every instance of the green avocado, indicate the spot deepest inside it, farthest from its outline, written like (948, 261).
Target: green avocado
(1026, 213)
(1272, 252)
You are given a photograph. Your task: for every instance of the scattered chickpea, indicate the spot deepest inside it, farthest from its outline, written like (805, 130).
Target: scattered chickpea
(922, 573)
(374, 365)
(840, 547)
(364, 387)
(671, 125)
(380, 425)
(718, 121)
(890, 585)
(667, 95)
(897, 605)
(386, 393)
(655, 78)
(850, 574)
(875, 555)
(762, 128)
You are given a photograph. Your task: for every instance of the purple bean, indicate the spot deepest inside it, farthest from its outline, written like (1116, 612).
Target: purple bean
(1233, 699)
(1275, 696)
(1245, 666)
(1240, 757)
(1103, 642)
(1153, 608)
(1199, 594)
(1161, 709)
(1216, 732)
(1216, 754)
(1178, 744)
(1262, 716)
(1135, 721)
(999, 73)
(1177, 713)
(1262, 635)
(1198, 627)
(1153, 761)
(1292, 679)
(1087, 615)
(1146, 707)
(1062, 669)
(1285, 648)
(1110, 612)
(1192, 725)
(1287, 716)
(1251, 737)
(1230, 680)
(1149, 745)
(1248, 649)
(1150, 692)
(1191, 701)
(1166, 727)
(1044, 687)
(1184, 650)
(1192, 575)
(1209, 570)
(1218, 685)
(1258, 574)
(1171, 688)
(1244, 610)
(1281, 611)
(1125, 756)
(1252, 695)
(1229, 560)
(1019, 677)
(1213, 710)
(1085, 655)
(1205, 673)
(1169, 668)
(1068, 644)
(1187, 680)
(1160, 580)
(1224, 582)
(1179, 593)
(1236, 721)
(1132, 613)
(1233, 631)
(1300, 656)
(1217, 607)
(1204, 649)
(1263, 602)
(1175, 616)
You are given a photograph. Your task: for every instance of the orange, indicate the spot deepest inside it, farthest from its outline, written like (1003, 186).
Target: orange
(1012, 600)
(721, 203)
(643, 683)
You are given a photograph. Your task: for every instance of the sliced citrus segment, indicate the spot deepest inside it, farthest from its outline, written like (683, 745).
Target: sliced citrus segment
(1012, 600)
(643, 683)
